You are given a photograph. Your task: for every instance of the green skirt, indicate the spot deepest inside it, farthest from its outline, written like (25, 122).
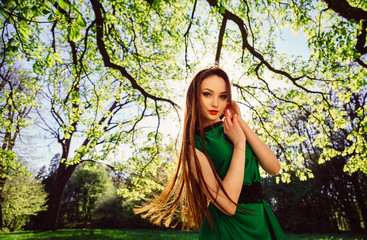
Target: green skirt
(257, 223)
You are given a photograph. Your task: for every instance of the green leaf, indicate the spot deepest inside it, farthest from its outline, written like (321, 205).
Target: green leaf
(81, 21)
(50, 61)
(63, 4)
(50, 17)
(45, 11)
(57, 57)
(222, 10)
(74, 33)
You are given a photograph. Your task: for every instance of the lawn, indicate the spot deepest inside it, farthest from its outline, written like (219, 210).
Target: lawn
(93, 234)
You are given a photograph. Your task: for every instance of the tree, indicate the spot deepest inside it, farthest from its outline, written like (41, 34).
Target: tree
(23, 198)
(138, 47)
(86, 186)
(18, 91)
(335, 198)
(85, 109)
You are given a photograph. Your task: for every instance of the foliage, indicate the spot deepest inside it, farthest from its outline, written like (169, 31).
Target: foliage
(316, 86)
(86, 186)
(334, 198)
(330, 202)
(113, 212)
(18, 92)
(148, 170)
(8, 164)
(23, 197)
(95, 115)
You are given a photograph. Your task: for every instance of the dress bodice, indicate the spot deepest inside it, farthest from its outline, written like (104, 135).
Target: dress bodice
(220, 148)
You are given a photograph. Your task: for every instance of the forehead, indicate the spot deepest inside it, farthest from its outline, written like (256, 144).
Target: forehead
(214, 83)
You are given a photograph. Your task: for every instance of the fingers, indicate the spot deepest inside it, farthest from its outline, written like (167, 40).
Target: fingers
(233, 130)
(228, 122)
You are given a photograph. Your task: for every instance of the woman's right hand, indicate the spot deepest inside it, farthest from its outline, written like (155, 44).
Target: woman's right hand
(233, 130)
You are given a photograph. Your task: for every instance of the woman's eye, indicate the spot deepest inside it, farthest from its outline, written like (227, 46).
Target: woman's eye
(206, 94)
(223, 97)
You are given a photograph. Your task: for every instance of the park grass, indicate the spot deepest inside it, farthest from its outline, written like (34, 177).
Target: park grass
(106, 234)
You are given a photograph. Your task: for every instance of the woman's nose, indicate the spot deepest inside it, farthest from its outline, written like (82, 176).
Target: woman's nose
(215, 102)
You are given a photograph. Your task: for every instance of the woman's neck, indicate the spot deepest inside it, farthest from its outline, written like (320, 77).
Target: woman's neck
(209, 123)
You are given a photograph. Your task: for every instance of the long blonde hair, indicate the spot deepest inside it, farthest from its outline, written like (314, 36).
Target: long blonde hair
(185, 194)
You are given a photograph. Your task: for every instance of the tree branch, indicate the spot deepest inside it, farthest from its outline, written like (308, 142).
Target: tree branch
(345, 10)
(246, 45)
(220, 38)
(95, 161)
(186, 35)
(97, 7)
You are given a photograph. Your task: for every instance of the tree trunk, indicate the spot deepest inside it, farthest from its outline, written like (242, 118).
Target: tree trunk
(360, 199)
(1, 213)
(56, 196)
(2, 184)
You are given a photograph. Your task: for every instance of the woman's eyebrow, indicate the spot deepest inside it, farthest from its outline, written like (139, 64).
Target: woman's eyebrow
(207, 89)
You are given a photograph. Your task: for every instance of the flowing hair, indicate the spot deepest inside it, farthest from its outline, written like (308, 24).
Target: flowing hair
(184, 194)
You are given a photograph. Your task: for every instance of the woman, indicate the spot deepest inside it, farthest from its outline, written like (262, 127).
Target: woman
(218, 163)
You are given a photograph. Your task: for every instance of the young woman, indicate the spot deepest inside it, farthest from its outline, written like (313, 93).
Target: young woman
(217, 183)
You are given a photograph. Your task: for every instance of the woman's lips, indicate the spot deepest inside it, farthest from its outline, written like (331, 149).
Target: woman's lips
(213, 112)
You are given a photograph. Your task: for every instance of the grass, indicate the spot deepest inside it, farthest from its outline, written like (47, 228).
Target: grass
(94, 234)
(338, 236)
(105, 234)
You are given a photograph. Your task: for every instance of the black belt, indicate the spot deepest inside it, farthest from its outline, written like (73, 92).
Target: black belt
(251, 193)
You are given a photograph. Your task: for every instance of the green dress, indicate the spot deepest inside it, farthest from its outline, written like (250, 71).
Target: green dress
(259, 221)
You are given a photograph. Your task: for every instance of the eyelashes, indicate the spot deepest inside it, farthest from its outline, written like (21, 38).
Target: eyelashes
(208, 94)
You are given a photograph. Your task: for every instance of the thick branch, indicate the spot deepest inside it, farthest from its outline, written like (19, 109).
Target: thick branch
(246, 45)
(186, 35)
(344, 9)
(220, 38)
(97, 7)
(361, 43)
(103, 162)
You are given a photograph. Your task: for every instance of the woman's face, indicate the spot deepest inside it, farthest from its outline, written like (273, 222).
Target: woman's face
(214, 98)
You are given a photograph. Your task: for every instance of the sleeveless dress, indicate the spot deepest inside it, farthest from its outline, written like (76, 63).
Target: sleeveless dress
(258, 220)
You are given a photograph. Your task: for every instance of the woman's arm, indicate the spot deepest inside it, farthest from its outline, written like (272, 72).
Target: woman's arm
(265, 155)
(233, 181)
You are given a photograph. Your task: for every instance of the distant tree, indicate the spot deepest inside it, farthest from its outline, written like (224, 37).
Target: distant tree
(109, 211)
(18, 92)
(86, 186)
(333, 197)
(23, 197)
(47, 175)
(113, 211)
(147, 171)
(328, 200)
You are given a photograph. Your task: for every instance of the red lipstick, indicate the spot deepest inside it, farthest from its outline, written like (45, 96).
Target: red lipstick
(213, 112)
